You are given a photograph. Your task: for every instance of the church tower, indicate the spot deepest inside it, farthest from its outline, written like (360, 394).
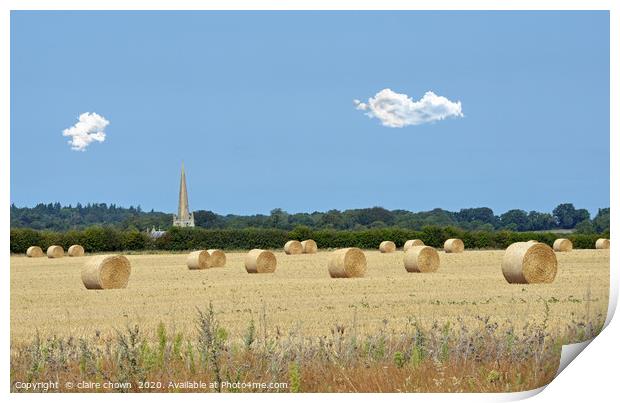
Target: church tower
(183, 218)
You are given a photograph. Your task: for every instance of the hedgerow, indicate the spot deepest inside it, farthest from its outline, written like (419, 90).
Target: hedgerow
(108, 239)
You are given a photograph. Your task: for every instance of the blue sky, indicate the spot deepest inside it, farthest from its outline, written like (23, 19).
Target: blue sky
(259, 107)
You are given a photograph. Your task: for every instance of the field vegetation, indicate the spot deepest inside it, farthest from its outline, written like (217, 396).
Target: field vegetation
(447, 357)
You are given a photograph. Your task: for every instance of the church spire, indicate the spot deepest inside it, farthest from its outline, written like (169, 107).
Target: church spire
(184, 218)
(183, 213)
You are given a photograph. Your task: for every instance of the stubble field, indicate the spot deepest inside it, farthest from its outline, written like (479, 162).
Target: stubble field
(48, 298)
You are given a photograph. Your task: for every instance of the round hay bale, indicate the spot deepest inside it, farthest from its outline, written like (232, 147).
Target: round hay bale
(105, 272)
(529, 263)
(309, 246)
(387, 247)
(421, 259)
(532, 241)
(602, 243)
(34, 251)
(412, 242)
(562, 245)
(75, 250)
(260, 261)
(453, 245)
(347, 263)
(218, 257)
(199, 260)
(55, 251)
(293, 248)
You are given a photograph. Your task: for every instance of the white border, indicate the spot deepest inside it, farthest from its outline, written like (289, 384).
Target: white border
(310, 5)
(593, 378)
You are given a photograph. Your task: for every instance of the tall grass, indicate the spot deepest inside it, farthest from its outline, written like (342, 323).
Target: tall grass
(443, 357)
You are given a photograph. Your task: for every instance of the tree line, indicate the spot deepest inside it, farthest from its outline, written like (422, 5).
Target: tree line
(55, 217)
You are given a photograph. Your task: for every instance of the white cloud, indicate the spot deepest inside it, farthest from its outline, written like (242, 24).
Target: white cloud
(90, 127)
(399, 110)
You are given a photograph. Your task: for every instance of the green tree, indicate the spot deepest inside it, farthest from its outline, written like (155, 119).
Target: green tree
(585, 227)
(368, 216)
(601, 221)
(482, 214)
(486, 227)
(333, 219)
(581, 215)
(564, 215)
(516, 219)
(207, 219)
(540, 221)
(279, 218)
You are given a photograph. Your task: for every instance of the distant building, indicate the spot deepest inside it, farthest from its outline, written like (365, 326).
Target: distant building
(184, 218)
(155, 233)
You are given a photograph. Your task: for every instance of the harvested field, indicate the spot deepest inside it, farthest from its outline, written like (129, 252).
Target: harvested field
(48, 295)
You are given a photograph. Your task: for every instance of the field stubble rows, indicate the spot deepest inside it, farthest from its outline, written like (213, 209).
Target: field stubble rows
(47, 295)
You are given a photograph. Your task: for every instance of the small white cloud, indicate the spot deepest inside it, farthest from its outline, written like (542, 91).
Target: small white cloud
(90, 127)
(399, 110)
(359, 105)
